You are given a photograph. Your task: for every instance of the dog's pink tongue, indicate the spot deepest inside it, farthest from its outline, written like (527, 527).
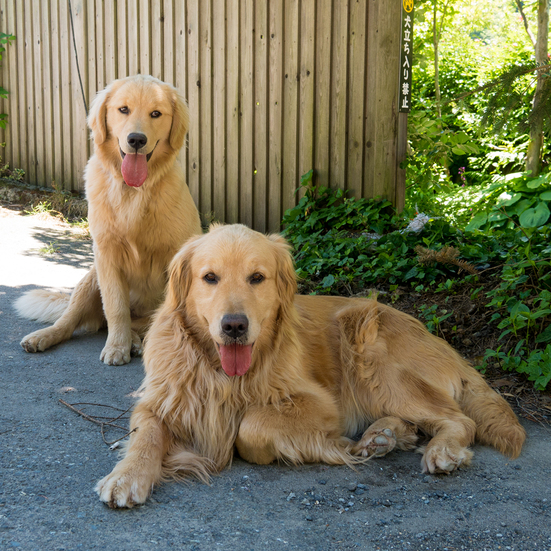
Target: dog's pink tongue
(235, 358)
(134, 169)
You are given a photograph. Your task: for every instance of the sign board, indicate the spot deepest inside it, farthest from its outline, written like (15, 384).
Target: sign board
(406, 56)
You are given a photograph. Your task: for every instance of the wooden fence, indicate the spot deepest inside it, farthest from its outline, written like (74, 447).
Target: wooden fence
(275, 88)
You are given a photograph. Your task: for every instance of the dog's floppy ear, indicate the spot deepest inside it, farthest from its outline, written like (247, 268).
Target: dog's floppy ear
(97, 118)
(286, 279)
(179, 274)
(180, 121)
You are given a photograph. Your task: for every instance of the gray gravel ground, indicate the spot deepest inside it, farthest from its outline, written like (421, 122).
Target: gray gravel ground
(50, 459)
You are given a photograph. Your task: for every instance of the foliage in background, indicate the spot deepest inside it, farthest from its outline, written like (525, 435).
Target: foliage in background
(486, 74)
(468, 165)
(347, 246)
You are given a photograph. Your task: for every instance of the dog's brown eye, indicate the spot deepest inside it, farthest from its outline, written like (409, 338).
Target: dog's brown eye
(257, 278)
(210, 278)
(156, 114)
(124, 110)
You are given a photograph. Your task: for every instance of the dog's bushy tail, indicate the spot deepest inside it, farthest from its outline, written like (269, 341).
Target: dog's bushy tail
(496, 424)
(42, 305)
(180, 463)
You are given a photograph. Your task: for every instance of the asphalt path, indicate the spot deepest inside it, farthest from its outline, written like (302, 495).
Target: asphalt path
(51, 458)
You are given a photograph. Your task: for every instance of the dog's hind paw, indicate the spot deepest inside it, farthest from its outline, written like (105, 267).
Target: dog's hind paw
(442, 459)
(375, 443)
(136, 348)
(41, 340)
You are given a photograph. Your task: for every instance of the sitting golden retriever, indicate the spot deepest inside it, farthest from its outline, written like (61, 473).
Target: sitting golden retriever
(140, 213)
(234, 358)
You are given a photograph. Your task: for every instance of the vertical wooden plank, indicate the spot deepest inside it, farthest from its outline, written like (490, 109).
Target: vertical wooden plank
(144, 37)
(322, 136)
(66, 47)
(306, 116)
(101, 40)
(219, 189)
(31, 103)
(232, 112)
(247, 136)
(21, 46)
(92, 60)
(5, 106)
(38, 99)
(157, 25)
(177, 70)
(79, 86)
(291, 99)
(339, 69)
(356, 97)
(371, 100)
(168, 44)
(122, 39)
(133, 37)
(275, 119)
(49, 123)
(205, 85)
(13, 64)
(382, 97)
(57, 105)
(194, 98)
(260, 116)
(110, 40)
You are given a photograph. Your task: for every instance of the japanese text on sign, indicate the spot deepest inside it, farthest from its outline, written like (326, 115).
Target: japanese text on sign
(406, 56)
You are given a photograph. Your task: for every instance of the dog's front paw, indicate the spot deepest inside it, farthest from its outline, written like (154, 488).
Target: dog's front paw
(442, 458)
(375, 443)
(123, 489)
(115, 355)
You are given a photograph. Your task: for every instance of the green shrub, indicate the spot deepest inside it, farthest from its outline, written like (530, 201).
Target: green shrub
(345, 246)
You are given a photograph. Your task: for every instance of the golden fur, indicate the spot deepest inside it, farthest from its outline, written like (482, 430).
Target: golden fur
(136, 230)
(322, 370)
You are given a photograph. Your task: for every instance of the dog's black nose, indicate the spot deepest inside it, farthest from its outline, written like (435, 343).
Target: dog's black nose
(235, 325)
(136, 140)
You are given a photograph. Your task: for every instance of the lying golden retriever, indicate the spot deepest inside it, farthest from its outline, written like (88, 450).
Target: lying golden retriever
(140, 213)
(234, 358)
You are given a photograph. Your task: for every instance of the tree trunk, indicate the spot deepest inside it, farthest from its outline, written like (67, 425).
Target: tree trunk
(533, 160)
(435, 41)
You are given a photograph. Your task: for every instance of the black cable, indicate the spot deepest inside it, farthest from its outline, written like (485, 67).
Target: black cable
(76, 57)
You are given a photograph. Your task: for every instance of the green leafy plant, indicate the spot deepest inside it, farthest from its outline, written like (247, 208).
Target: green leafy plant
(514, 200)
(344, 244)
(432, 319)
(347, 246)
(4, 39)
(49, 249)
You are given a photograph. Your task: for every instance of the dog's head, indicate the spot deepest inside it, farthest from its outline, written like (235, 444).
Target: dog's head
(235, 286)
(136, 122)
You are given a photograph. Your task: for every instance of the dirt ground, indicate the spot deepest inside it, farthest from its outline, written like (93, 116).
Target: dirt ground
(51, 457)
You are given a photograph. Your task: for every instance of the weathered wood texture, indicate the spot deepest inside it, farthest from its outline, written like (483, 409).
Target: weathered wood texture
(275, 88)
